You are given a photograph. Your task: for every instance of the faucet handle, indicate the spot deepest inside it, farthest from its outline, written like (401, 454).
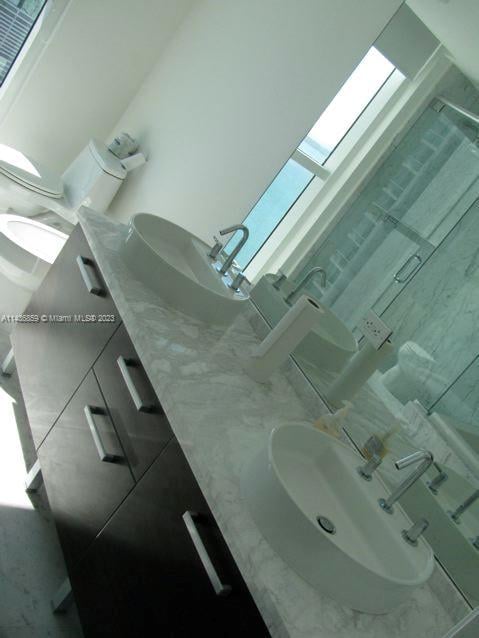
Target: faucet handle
(280, 279)
(237, 281)
(414, 532)
(366, 470)
(215, 251)
(438, 480)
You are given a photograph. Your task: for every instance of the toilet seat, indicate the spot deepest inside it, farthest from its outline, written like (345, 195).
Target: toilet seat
(27, 248)
(40, 240)
(29, 174)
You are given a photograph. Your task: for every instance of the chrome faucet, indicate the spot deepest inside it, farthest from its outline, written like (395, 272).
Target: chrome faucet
(421, 455)
(456, 515)
(231, 257)
(291, 298)
(438, 480)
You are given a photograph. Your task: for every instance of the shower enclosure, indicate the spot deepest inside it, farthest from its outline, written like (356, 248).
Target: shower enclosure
(408, 248)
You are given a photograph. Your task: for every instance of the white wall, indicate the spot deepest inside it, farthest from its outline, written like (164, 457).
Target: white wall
(92, 65)
(238, 87)
(455, 23)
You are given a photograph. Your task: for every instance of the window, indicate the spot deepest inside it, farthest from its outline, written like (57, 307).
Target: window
(270, 209)
(331, 128)
(354, 96)
(17, 18)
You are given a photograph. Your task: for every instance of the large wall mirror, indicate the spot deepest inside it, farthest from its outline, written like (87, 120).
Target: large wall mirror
(404, 244)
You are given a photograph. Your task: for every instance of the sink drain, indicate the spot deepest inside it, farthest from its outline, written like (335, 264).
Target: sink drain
(327, 525)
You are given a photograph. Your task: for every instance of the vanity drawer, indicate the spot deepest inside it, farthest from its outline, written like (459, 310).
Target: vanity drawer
(139, 419)
(84, 468)
(53, 356)
(144, 575)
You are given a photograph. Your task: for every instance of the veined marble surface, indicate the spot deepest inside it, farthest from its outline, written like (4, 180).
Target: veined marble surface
(221, 417)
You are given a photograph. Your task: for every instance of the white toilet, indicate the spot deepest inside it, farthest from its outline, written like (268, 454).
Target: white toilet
(28, 247)
(415, 375)
(28, 188)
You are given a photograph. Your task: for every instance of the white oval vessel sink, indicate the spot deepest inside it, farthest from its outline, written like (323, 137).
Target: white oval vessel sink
(328, 346)
(175, 264)
(303, 485)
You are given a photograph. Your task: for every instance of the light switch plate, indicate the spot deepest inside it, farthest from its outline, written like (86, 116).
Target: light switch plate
(374, 329)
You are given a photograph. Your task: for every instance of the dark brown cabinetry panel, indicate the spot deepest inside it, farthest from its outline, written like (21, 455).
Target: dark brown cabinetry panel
(143, 575)
(139, 420)
(83, 490)
(52, 358)
(144, 558)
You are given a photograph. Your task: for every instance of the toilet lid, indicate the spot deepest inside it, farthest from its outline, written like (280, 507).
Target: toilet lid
(17, 166)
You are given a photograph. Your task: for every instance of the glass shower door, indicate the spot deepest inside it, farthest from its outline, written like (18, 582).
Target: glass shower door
(387, 234)
(386, 260)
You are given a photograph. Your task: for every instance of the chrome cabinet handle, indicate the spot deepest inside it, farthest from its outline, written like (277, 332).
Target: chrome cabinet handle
(140, 405)
(93, 288)
(220, 588)
(398, 276)
(102, 453)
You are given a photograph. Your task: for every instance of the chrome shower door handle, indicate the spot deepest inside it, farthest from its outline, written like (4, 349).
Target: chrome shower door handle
(86, 266)
(140, 405)
(403, 274)
(220, 588)
(102, 453)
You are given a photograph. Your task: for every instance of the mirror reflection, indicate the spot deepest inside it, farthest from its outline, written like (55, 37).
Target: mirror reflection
(400, 251)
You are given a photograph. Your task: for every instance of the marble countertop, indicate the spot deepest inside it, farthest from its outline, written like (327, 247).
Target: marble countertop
(221, 417)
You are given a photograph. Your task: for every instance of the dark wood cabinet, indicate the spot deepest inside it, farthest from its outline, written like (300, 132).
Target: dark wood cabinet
(136, 412)
(143, 551)
(83, 489)
(54, 355)
(145, 566)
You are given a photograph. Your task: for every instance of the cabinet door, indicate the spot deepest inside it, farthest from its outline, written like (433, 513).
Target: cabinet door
(143, 575)
(53, 357)
(138, 417)
(84, 468)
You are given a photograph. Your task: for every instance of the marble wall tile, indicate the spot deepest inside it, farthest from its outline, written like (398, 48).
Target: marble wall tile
(439, 310)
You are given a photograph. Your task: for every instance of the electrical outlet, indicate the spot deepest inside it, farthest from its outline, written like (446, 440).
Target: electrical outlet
(374, 329)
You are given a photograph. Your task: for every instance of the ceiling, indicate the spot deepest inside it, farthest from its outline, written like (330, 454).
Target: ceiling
(455, 23)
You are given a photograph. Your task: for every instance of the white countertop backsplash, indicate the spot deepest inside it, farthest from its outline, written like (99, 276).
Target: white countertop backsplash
(221, 417)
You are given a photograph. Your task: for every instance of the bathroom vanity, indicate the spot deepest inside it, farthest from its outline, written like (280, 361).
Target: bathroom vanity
(144, 420)
(141, 545)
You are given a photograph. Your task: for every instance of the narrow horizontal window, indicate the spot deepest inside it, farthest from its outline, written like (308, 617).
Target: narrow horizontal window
(17, 19)
(271, 208)
(351, 100)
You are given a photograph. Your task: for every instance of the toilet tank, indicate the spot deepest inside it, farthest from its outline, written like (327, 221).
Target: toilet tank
(93, 178)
